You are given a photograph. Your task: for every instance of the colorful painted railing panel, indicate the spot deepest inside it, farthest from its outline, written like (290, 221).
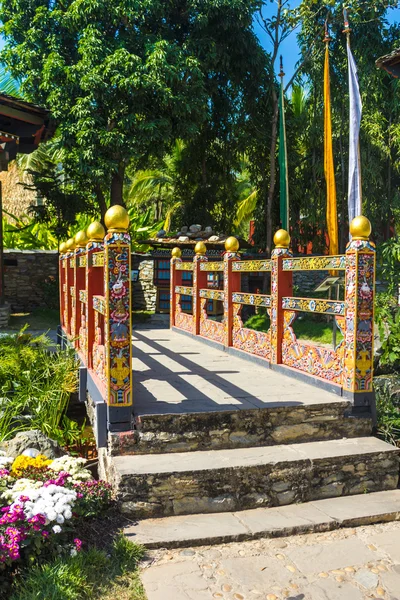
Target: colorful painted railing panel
(83, 296)
(82, 260)
(98, 259)
(184, 266)
(184, 291)
(318, 361)
(311, 305)
(72, 291)
(212, 266)
(252, 266)
(212, 294)
(249, 340)
(99, 304)
(210, 328)
(315, 263)
(183, 320)
(251, 299)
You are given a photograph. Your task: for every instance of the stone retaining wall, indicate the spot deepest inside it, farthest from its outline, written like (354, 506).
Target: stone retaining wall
(31, 279)
(144, 292)
(241, 488)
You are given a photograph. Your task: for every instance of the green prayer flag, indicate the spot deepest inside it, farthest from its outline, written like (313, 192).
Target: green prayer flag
(284, 182)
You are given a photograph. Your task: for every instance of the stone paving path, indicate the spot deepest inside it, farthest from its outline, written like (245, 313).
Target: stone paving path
(349, 564)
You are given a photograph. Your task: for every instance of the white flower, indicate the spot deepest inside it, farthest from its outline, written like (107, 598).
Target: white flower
(73, 552)
(57, 529)
(73, 466)
(55, 502)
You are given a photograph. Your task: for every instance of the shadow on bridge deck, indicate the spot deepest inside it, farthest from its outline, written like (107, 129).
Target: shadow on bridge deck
(177, 374)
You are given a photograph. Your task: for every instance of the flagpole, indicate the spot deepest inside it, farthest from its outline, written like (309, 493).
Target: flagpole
(355, 185)
(283, 164)
(329, 167)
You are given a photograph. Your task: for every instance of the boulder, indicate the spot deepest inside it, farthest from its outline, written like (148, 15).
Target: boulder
(209, 230)
(184, 229)
(213, 238)
(183, 238)
(162, 233)
(33, 439)
(195, 228)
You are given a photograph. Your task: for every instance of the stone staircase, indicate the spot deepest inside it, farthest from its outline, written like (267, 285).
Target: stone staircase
(213, 465)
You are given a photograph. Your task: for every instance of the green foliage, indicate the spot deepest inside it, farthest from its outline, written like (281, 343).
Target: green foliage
(305, 329)
(35, 385)
(124, 80)
(91, 575)
(371, 37)
(387, 317)
(388, 415)
(388, 263)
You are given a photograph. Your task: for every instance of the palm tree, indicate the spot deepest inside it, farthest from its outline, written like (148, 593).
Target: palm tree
(156, 187)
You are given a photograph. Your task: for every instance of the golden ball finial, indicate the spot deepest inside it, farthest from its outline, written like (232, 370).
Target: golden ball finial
(81, 239)
(96, 232)
(232, 244)
(63, 248)
(360, 228)
(282, 239)
(117, 218)
(176, 253)
(200, 248)
(70, 244)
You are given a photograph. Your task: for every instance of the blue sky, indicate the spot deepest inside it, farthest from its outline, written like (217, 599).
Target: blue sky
(290, 50)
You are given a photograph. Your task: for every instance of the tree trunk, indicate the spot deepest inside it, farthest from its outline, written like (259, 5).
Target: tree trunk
(272, 166)
(101, 202)
(117, 186)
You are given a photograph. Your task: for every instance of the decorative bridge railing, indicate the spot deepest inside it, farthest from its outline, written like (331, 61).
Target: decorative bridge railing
(346, 369)
(95, 302)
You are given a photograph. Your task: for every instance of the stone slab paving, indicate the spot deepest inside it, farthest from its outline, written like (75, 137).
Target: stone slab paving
(176, 373)
(320, 515)
(347, 564)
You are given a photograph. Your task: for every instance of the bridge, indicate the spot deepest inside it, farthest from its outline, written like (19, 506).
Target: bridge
(203, 415)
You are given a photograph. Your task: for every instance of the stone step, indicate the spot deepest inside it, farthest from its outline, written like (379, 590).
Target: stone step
(240, 428)
(230, 480)
(320, 515)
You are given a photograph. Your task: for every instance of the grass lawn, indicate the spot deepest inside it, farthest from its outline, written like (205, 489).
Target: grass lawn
(94, 574)
(38, 320)
(305, 329)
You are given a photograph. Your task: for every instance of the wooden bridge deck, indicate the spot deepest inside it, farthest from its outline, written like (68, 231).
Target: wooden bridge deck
(174, 373)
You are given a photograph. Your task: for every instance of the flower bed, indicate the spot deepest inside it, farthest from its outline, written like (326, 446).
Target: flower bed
(42, 503)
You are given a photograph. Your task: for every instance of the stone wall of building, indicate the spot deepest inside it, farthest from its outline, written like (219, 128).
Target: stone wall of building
(144, 292)
(16, 199)
(31, 279)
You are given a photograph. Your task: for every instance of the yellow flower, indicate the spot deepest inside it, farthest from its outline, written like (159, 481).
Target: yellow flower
(22, 462)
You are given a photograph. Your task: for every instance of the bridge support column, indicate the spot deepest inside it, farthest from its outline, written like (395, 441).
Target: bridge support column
(199, 282)
(359, 321)
(118, 320)
(281, 285)
(175, 280)
(231, 284)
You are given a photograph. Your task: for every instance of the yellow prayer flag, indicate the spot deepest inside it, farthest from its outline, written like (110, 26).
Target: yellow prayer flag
(331, 207)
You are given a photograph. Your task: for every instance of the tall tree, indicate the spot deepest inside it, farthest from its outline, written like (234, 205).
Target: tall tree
(123, 79)
(371, 37)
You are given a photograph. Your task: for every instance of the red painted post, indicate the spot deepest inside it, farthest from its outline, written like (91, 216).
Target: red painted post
(232, 283)
(94, 281)
(359, 320)
(174, 281)
(79, 283)
(281, 285)
(199, 282)
(69, 284)
(61, 281)
(118, 319)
